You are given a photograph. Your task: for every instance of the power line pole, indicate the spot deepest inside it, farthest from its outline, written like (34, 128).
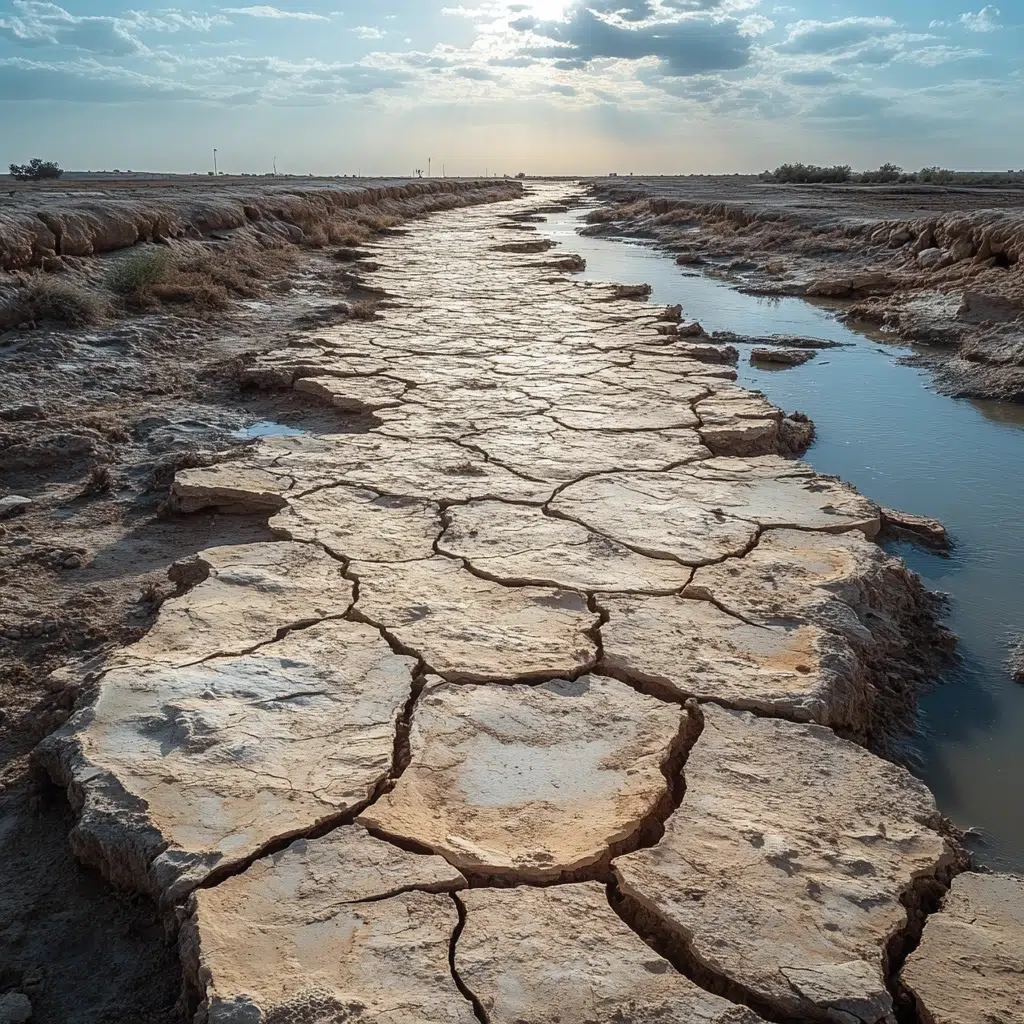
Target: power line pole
(275, 166)
(428, 166)
(215, 163)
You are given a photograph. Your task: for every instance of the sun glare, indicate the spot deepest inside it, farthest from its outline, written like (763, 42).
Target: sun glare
(548, 8)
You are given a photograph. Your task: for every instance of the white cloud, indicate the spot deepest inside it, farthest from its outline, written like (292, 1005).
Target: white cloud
(367, 32)
(986, 20)
(262, 11)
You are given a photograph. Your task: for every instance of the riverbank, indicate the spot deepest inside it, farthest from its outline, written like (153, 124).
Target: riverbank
(931, 266)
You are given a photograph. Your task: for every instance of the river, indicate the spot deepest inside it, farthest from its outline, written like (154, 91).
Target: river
(882, 427)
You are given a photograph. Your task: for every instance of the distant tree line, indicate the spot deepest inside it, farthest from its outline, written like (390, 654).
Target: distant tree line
(36, 170)
(887, 174)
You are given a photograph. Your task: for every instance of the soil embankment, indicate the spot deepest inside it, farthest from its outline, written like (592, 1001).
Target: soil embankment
(938, 267)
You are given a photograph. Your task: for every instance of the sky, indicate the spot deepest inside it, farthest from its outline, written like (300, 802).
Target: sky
(381, 87)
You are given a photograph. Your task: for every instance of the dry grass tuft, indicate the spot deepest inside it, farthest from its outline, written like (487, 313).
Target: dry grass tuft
(101, 480)
(46, 299)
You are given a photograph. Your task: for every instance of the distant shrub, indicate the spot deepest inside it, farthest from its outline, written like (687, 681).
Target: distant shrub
(134, 275)
(886, 174)
(804, 174)
(49, 299)
(36, 170)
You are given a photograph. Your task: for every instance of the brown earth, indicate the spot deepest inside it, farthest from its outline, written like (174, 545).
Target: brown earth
(937, 267)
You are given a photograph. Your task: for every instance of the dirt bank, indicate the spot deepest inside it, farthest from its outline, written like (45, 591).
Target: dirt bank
(94, 421)
(938, 267)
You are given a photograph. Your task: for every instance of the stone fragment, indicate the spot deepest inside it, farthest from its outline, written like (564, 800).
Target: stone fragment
(516, 544)
(681, 648)
(918, 529)
(531, 784)
(734, 421)
(783, 356)
(969, 967)
(340, 928)
(15, 1008)
(354, 523)
(13, 505)
(250, 594)
(231, 488)
(471, 630)
(179, 773)
(561, 955)
(353, 394)
(784, 869)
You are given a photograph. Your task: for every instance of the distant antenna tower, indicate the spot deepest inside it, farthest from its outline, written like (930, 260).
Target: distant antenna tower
(215, 163)
(428, 166)
(275, 166)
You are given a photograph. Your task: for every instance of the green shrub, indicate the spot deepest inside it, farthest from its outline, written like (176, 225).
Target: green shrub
(136, 273)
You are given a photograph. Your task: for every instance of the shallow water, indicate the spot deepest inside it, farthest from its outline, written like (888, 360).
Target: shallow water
(266, 428)
(882, 427)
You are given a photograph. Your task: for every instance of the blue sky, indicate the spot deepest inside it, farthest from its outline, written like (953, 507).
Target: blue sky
(545, 86)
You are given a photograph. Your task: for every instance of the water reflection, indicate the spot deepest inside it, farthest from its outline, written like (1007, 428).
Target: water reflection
(882, 427)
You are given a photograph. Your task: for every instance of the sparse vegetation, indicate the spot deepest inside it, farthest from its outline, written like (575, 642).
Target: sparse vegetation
(133, 276)
(36, 170)
(48, 299)
(363, 310)
(887, 174)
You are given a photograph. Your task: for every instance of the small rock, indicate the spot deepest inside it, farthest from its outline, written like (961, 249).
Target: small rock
(931, 258)
(12, 633)
(693, 329)
(783, 356)
(15, 1008)
(13, 504)
(17, 413)
(72, 562)
(919, 529)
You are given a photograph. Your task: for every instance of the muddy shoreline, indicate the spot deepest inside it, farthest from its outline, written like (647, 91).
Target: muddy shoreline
(489, 523)
(934, 267)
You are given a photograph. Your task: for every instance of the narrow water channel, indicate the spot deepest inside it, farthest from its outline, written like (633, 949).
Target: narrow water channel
(882, 427)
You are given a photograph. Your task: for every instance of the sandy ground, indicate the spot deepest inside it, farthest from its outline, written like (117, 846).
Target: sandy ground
(935, 266)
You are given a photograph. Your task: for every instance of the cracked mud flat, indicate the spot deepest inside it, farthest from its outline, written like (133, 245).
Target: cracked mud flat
(502, 642)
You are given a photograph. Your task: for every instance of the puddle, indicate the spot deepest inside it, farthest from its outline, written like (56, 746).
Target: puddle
(882, 427)
(266, 428)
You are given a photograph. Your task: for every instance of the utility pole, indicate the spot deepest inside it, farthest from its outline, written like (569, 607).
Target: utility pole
(215, 162)
(443, 174)
(428, 166)
(275, 166)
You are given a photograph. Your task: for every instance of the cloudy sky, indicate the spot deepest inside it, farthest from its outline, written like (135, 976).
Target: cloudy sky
(544, 86)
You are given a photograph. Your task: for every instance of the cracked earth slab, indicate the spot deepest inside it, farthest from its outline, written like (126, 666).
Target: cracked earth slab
(969, 968)
(181, 773)
(782, 876)
(533, 784)
(515, 544)
(344, 927)
(354, 523)
(560, 955)
(799, 627)
(251, 593)
(469, 629)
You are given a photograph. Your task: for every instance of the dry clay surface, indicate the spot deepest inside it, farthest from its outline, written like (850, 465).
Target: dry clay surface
(495, 626)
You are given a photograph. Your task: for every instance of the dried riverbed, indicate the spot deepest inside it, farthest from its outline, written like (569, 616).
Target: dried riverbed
(552, 694)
